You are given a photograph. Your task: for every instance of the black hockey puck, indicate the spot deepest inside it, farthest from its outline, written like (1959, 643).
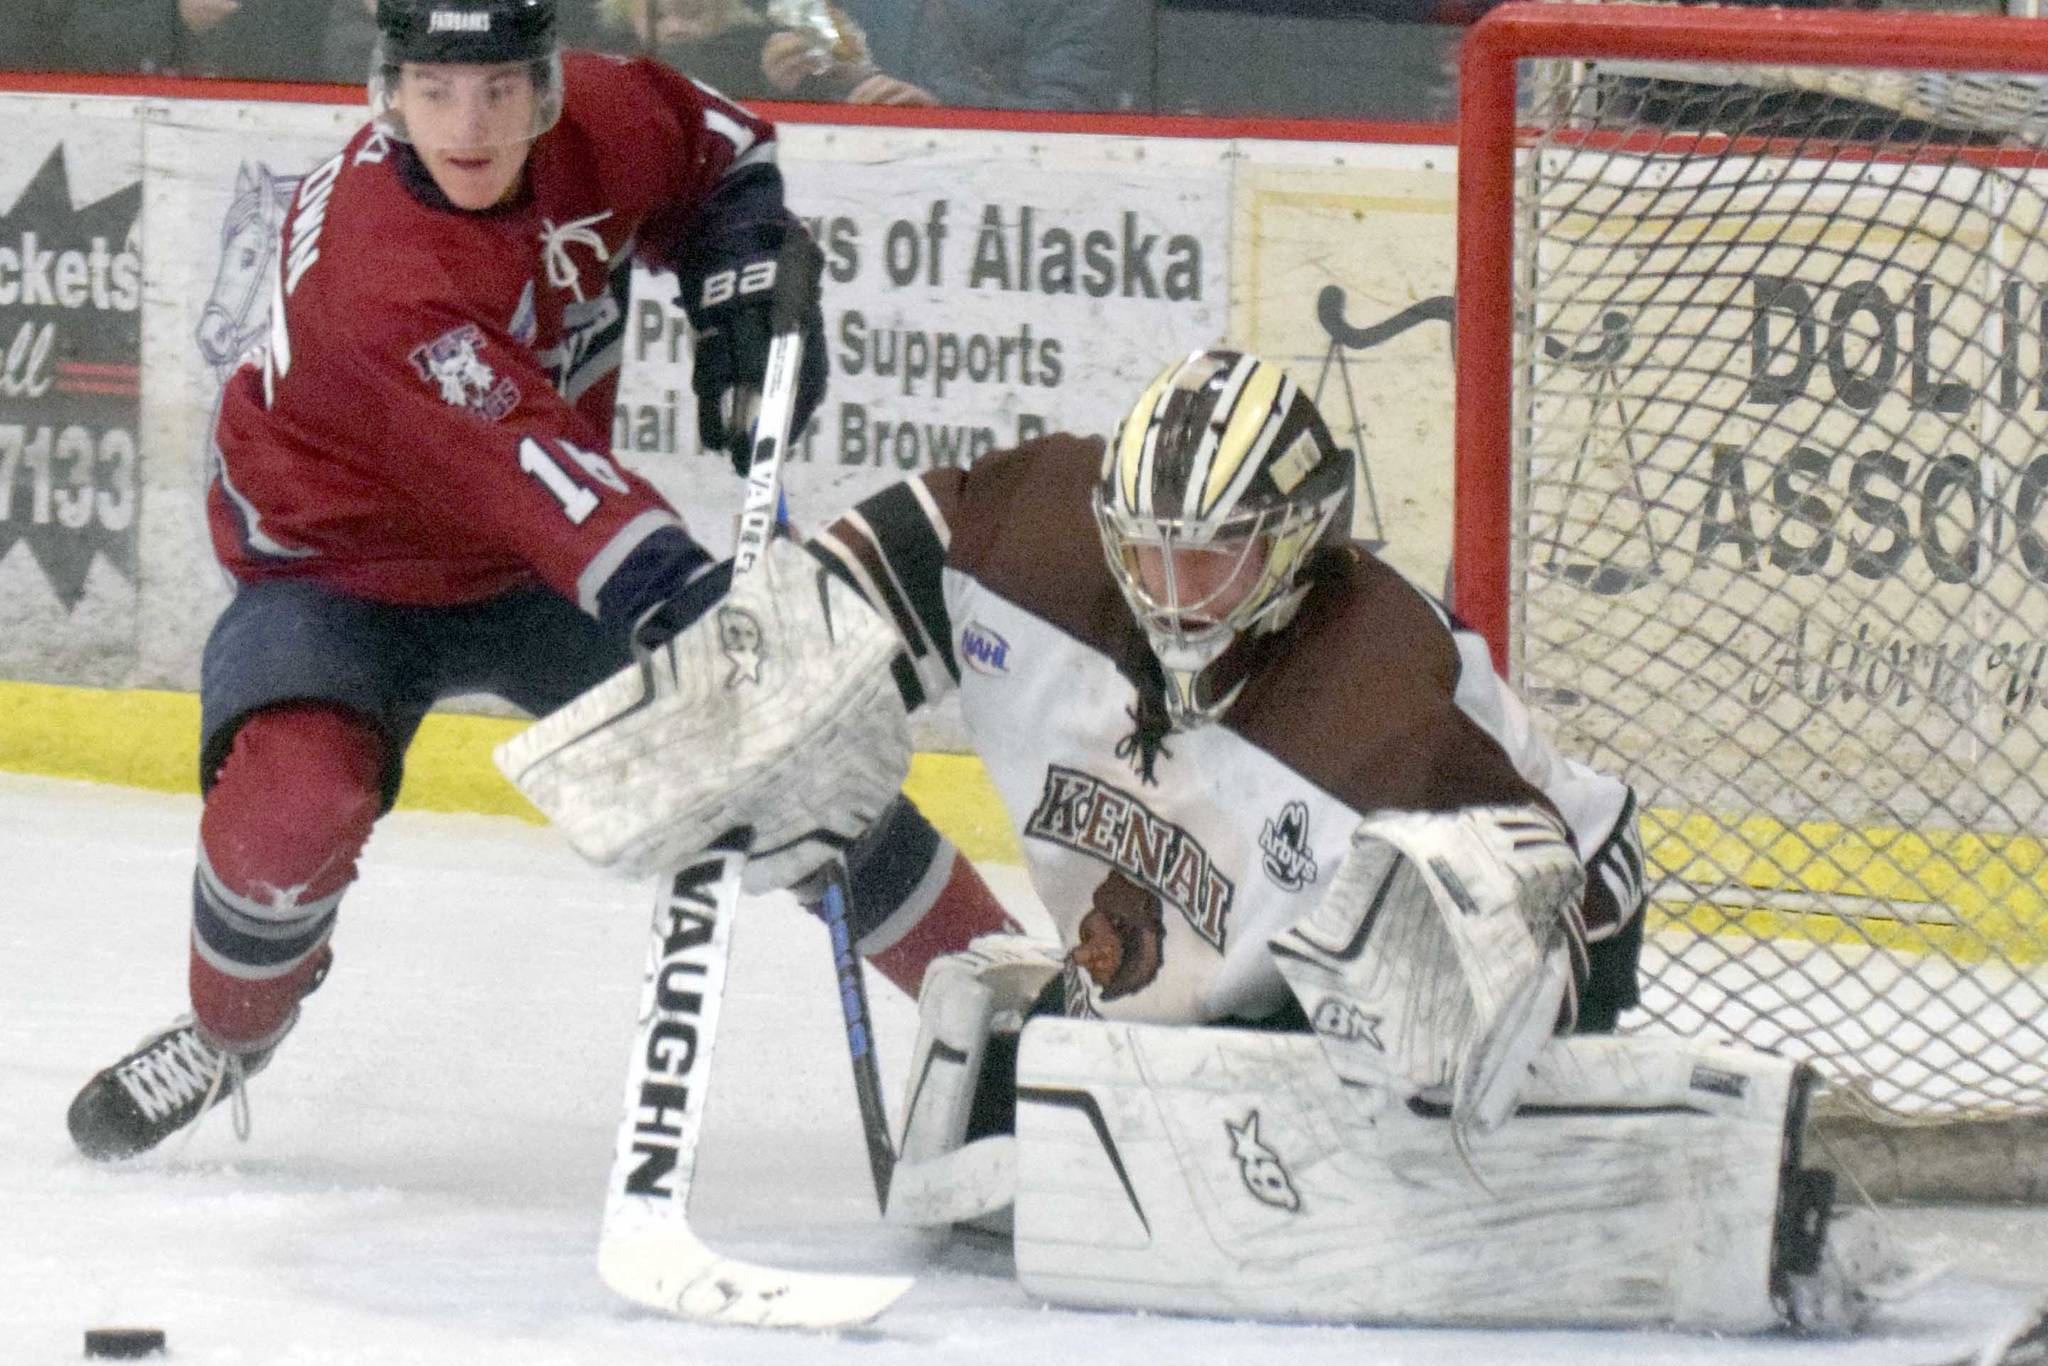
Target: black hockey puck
(124, 1343)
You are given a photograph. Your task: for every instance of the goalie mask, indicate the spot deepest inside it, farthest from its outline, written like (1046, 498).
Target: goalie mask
(459, 41)
(1217, 489)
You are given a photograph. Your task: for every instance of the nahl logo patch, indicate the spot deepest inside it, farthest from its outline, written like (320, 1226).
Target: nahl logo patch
(1260, 1167)
(984, 651)
(1284, 842)
(454, 361)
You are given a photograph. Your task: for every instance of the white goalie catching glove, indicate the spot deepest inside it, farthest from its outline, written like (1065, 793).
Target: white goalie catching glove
(773, 719)
(1442, 955)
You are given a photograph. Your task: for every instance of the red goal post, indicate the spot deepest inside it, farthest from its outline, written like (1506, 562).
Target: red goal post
(1752, 503)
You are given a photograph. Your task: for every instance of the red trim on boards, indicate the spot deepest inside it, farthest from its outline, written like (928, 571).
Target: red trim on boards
(845, 115)
(176, 88)
(1116, 125)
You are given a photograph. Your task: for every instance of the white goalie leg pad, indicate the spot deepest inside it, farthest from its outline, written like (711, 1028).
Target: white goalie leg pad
(774, 713)
(966, 995)
(1228, 1172)
(1442, 954)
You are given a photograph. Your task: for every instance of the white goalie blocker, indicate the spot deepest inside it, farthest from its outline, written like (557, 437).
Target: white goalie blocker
(1441, 955)
(774, 715)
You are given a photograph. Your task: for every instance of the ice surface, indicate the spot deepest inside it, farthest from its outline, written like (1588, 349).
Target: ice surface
(425, 1177)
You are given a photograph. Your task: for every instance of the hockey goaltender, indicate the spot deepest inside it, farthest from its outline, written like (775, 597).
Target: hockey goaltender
(1325, 1034)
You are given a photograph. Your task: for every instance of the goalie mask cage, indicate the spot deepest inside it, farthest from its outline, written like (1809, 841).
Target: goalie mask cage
(1753, 505)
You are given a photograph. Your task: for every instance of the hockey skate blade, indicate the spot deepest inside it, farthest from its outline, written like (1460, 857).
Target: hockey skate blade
(670, 1271)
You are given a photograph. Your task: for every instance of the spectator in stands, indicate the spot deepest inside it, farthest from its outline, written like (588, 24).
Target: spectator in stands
(24, 36)
(733, 47)
(351, 37)
(120, 35)
(265, 40)
(1010, 54)
(254, 39)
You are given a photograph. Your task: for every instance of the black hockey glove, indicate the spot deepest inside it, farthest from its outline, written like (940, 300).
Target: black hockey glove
(728, 285)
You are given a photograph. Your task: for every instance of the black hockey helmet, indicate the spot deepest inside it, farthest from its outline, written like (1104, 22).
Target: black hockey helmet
(480, 31)
(466, 33)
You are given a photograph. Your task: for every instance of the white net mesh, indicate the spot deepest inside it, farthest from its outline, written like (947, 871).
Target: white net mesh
(1782, 460)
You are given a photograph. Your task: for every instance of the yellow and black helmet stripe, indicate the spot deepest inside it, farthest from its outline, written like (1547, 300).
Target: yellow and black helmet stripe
(1217, 431)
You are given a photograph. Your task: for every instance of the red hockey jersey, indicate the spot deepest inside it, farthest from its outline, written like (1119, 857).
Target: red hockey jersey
(430, 420)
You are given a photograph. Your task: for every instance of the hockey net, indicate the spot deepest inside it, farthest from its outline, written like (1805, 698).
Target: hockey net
(1753, 502)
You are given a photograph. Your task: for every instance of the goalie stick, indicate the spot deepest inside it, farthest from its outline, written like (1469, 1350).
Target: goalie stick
(647, 1251)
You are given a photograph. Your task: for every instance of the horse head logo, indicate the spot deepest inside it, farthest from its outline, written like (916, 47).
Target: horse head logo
(234, 319)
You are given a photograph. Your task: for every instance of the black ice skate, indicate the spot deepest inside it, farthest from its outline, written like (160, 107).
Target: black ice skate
(172, 1077)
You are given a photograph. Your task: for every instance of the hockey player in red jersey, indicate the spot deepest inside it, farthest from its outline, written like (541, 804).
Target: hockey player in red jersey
(412, 487)
(1339, 934)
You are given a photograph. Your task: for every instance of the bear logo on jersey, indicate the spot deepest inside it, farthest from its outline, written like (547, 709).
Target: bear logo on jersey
(1122, 940)
(1260, 1167)
(1284, 841)
(454, 361)
(1102, 821)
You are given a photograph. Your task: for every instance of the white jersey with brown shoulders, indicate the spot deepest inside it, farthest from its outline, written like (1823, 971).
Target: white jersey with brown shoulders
(1168, 861)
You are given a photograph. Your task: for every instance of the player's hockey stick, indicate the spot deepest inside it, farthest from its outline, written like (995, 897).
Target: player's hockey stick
(860, 1035)
(647, 1250)
(762, 512)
